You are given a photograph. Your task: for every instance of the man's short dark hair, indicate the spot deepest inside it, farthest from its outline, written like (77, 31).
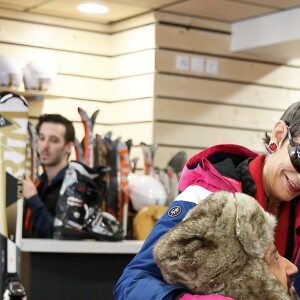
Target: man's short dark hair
(58, 119)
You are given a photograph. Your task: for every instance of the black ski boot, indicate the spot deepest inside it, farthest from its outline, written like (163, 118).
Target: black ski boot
(78, 213)
(14, 288)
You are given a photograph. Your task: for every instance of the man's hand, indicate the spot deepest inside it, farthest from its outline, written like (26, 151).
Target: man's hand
(29, 189)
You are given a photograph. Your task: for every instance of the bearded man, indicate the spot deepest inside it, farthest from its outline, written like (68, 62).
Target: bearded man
(56, 137)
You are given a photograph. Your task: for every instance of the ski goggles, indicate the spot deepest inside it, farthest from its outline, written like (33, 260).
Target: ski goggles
(294, 152)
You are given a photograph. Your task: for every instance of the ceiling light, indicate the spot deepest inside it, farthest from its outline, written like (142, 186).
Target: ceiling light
(92, 8)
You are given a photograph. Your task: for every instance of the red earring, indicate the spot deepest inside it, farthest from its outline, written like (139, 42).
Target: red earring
(272, 147)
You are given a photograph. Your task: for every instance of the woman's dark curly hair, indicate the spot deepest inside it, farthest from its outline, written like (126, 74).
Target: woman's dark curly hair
(292, 119)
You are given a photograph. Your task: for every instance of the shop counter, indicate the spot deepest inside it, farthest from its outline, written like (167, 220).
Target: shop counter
(75, 270)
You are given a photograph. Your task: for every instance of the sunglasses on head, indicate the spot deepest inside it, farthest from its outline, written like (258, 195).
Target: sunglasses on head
(294, 152)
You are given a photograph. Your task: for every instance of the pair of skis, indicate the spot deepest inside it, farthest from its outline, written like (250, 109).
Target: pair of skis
(124, 170)
(85, 149)
(115, 154)
(97, 151)
(32, 156)
(13, 136)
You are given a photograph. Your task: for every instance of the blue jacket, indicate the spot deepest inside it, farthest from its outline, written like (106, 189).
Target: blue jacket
(297, 279)
(142, 279)
(215, 168)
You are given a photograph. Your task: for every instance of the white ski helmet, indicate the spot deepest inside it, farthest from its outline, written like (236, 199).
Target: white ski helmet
(39, 75)
(145, 190)
(10, 72)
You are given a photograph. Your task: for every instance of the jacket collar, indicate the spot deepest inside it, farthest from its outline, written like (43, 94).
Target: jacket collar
(59, 177)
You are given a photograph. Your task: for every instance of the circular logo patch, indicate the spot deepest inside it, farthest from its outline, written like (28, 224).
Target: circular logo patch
(174, 211)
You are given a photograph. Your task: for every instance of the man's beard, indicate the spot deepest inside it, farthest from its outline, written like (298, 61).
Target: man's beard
(51, 163)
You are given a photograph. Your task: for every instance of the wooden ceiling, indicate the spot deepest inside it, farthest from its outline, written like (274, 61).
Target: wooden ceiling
(221, 10)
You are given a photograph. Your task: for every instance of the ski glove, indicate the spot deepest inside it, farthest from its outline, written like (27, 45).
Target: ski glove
(204, 297)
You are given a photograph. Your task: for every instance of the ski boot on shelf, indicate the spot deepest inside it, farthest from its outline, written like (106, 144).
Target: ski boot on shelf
(14, 288)
(78, 214)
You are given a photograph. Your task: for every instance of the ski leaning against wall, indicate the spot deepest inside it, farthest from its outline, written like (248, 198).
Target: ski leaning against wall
(13, 135)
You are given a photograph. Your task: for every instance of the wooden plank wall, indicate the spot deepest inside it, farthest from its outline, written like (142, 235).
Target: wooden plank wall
(153, 79)
(110, 68)
(197, 106)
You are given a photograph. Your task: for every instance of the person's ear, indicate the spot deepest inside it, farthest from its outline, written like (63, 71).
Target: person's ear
(69, 147)
(279, 132)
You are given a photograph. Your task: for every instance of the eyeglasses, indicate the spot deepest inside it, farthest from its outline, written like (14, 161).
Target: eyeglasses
(294, 152)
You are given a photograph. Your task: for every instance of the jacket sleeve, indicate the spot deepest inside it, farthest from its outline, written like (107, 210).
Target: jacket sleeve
(142, 278)
(41, 218)
(297, 277)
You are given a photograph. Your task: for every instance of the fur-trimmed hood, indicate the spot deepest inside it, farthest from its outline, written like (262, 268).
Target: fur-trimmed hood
(220, 247)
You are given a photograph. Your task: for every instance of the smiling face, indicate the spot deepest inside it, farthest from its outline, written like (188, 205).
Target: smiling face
(281, 180)
(280, 267)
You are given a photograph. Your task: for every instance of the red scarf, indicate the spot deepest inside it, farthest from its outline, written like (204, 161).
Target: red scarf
(255, 169)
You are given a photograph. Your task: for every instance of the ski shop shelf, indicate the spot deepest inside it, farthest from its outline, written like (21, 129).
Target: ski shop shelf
(55, 269)
(32, 95)
(58, 246)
